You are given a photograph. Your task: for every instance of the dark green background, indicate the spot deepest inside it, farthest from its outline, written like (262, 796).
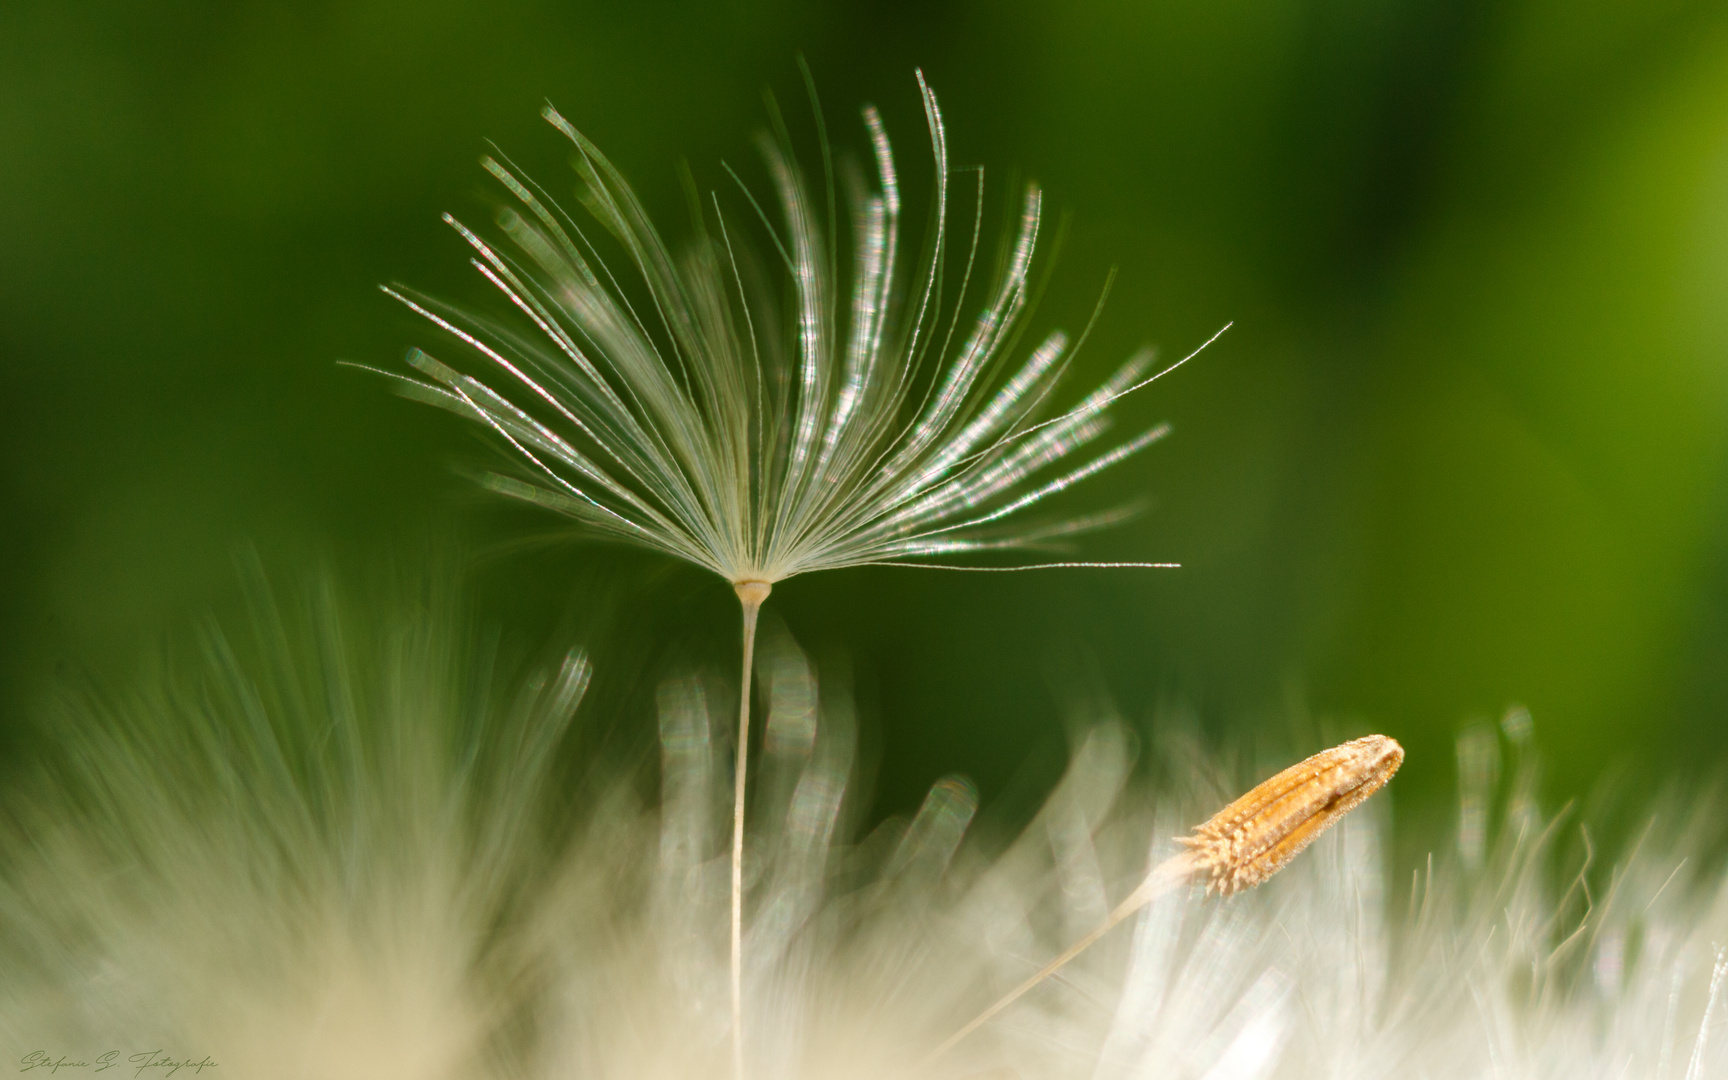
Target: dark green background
(1465, 446)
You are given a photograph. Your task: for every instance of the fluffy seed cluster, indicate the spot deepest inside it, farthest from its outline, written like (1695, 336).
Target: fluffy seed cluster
(676, 407)
(330, 849)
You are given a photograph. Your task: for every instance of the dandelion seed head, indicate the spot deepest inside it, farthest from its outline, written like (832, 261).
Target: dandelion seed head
(341, 854)
(667, 422)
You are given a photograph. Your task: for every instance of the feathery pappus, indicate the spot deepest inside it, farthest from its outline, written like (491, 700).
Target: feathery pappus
(871, 428)
(329, 849)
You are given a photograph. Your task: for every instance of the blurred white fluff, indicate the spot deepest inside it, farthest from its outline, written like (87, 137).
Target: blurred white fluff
(336, 852)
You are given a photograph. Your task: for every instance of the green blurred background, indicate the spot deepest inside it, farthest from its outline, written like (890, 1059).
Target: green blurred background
(1464, 447)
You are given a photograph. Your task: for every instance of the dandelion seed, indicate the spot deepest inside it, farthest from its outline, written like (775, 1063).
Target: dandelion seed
(1257, 835)
(1242, 845)
(672, 426)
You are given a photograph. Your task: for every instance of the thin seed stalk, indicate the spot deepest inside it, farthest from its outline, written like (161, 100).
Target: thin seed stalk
(750, 597)
(1172, 872)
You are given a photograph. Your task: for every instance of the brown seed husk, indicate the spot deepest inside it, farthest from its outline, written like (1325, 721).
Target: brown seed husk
(1254, 837)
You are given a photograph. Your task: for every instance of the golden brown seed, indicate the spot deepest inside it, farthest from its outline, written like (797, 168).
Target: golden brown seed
(1251, 839)
(1243, 844)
